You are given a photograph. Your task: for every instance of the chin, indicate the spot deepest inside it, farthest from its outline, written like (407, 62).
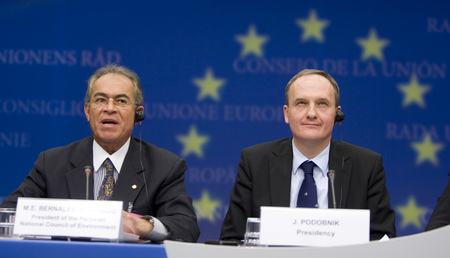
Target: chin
(311, 137)
(108, 138)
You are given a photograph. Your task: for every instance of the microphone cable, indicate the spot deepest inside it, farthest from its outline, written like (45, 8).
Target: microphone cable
(142, 166)
(342, 163)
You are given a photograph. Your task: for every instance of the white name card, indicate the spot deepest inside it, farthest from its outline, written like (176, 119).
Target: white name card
(314, 227)
(68, 218)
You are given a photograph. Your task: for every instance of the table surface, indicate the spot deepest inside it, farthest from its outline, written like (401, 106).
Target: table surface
(67, 249)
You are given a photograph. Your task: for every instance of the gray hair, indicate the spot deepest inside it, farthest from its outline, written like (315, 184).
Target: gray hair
(312, 71)
(112, 68)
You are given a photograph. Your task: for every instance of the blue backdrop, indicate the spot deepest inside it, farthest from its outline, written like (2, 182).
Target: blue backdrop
(214, 74)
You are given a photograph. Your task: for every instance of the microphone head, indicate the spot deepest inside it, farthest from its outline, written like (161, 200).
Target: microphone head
(331, 174)
(88, 170)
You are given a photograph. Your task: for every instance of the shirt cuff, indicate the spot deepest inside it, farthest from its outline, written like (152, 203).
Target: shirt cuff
(159, 231)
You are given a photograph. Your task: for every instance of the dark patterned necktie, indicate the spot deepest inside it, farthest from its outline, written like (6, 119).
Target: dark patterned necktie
(107, 188)
(307, 196)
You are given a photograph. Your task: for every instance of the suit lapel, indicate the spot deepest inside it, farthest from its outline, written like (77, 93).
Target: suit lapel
(280, 170)
(340, 163)
(76, 179)
(130, 181)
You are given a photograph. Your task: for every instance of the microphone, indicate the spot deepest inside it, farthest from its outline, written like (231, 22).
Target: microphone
(331, 174)
(87, 172)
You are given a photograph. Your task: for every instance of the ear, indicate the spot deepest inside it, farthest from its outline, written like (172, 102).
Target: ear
(86, 110)
(285, 111)
(139, 115)
(339, 116)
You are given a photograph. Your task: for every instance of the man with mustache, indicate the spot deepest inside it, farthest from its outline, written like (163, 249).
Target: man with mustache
(149, 180)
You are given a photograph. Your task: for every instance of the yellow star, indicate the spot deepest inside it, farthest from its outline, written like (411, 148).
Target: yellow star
(411, 214)
(209, 86)
(413, 92)
(252, 43)
(427, 150)
(193, 142)
(372, 45)
(312, 27)
(205, 207)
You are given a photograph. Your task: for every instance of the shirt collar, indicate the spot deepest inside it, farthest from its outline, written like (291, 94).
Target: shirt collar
(116, 158)
(320, 160)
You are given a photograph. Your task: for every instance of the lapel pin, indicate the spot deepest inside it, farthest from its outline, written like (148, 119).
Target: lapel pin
(134, 186)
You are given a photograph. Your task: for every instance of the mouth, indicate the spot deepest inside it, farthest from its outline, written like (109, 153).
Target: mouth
(109, 122)
(311, 124)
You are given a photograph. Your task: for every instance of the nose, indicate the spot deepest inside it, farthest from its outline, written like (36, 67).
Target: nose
(110, 106)
(311, 112)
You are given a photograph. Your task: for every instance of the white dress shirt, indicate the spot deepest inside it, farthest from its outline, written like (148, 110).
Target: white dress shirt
(320, 176)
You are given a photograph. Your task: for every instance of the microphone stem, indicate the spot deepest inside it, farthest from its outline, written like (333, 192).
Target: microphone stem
(333, 193)
(87, 186)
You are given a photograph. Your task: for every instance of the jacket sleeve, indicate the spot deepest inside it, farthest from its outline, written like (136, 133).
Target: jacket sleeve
(173, 207)
(233, 227)
(441, 213)
(382, 215)
(34, 184)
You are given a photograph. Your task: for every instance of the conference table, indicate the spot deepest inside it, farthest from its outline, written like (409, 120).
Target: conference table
(428, 244)
(68, 249)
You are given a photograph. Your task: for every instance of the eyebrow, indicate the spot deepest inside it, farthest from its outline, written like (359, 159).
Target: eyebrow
(122, 95)
(324, 99)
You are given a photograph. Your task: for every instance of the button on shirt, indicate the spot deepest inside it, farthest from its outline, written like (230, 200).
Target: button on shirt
(320, 176)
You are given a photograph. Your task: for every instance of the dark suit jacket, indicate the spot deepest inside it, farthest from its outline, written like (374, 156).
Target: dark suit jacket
(264, 179)
(58, 173)
(441, 213)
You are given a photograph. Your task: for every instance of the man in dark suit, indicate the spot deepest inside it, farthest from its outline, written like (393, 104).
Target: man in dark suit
(441, 213)
(149, 180)
(271, 174)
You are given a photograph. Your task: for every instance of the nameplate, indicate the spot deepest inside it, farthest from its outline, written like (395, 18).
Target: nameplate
(314, 227)
(68, 218)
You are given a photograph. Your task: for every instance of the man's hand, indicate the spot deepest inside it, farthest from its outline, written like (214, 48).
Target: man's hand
(135, 225)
